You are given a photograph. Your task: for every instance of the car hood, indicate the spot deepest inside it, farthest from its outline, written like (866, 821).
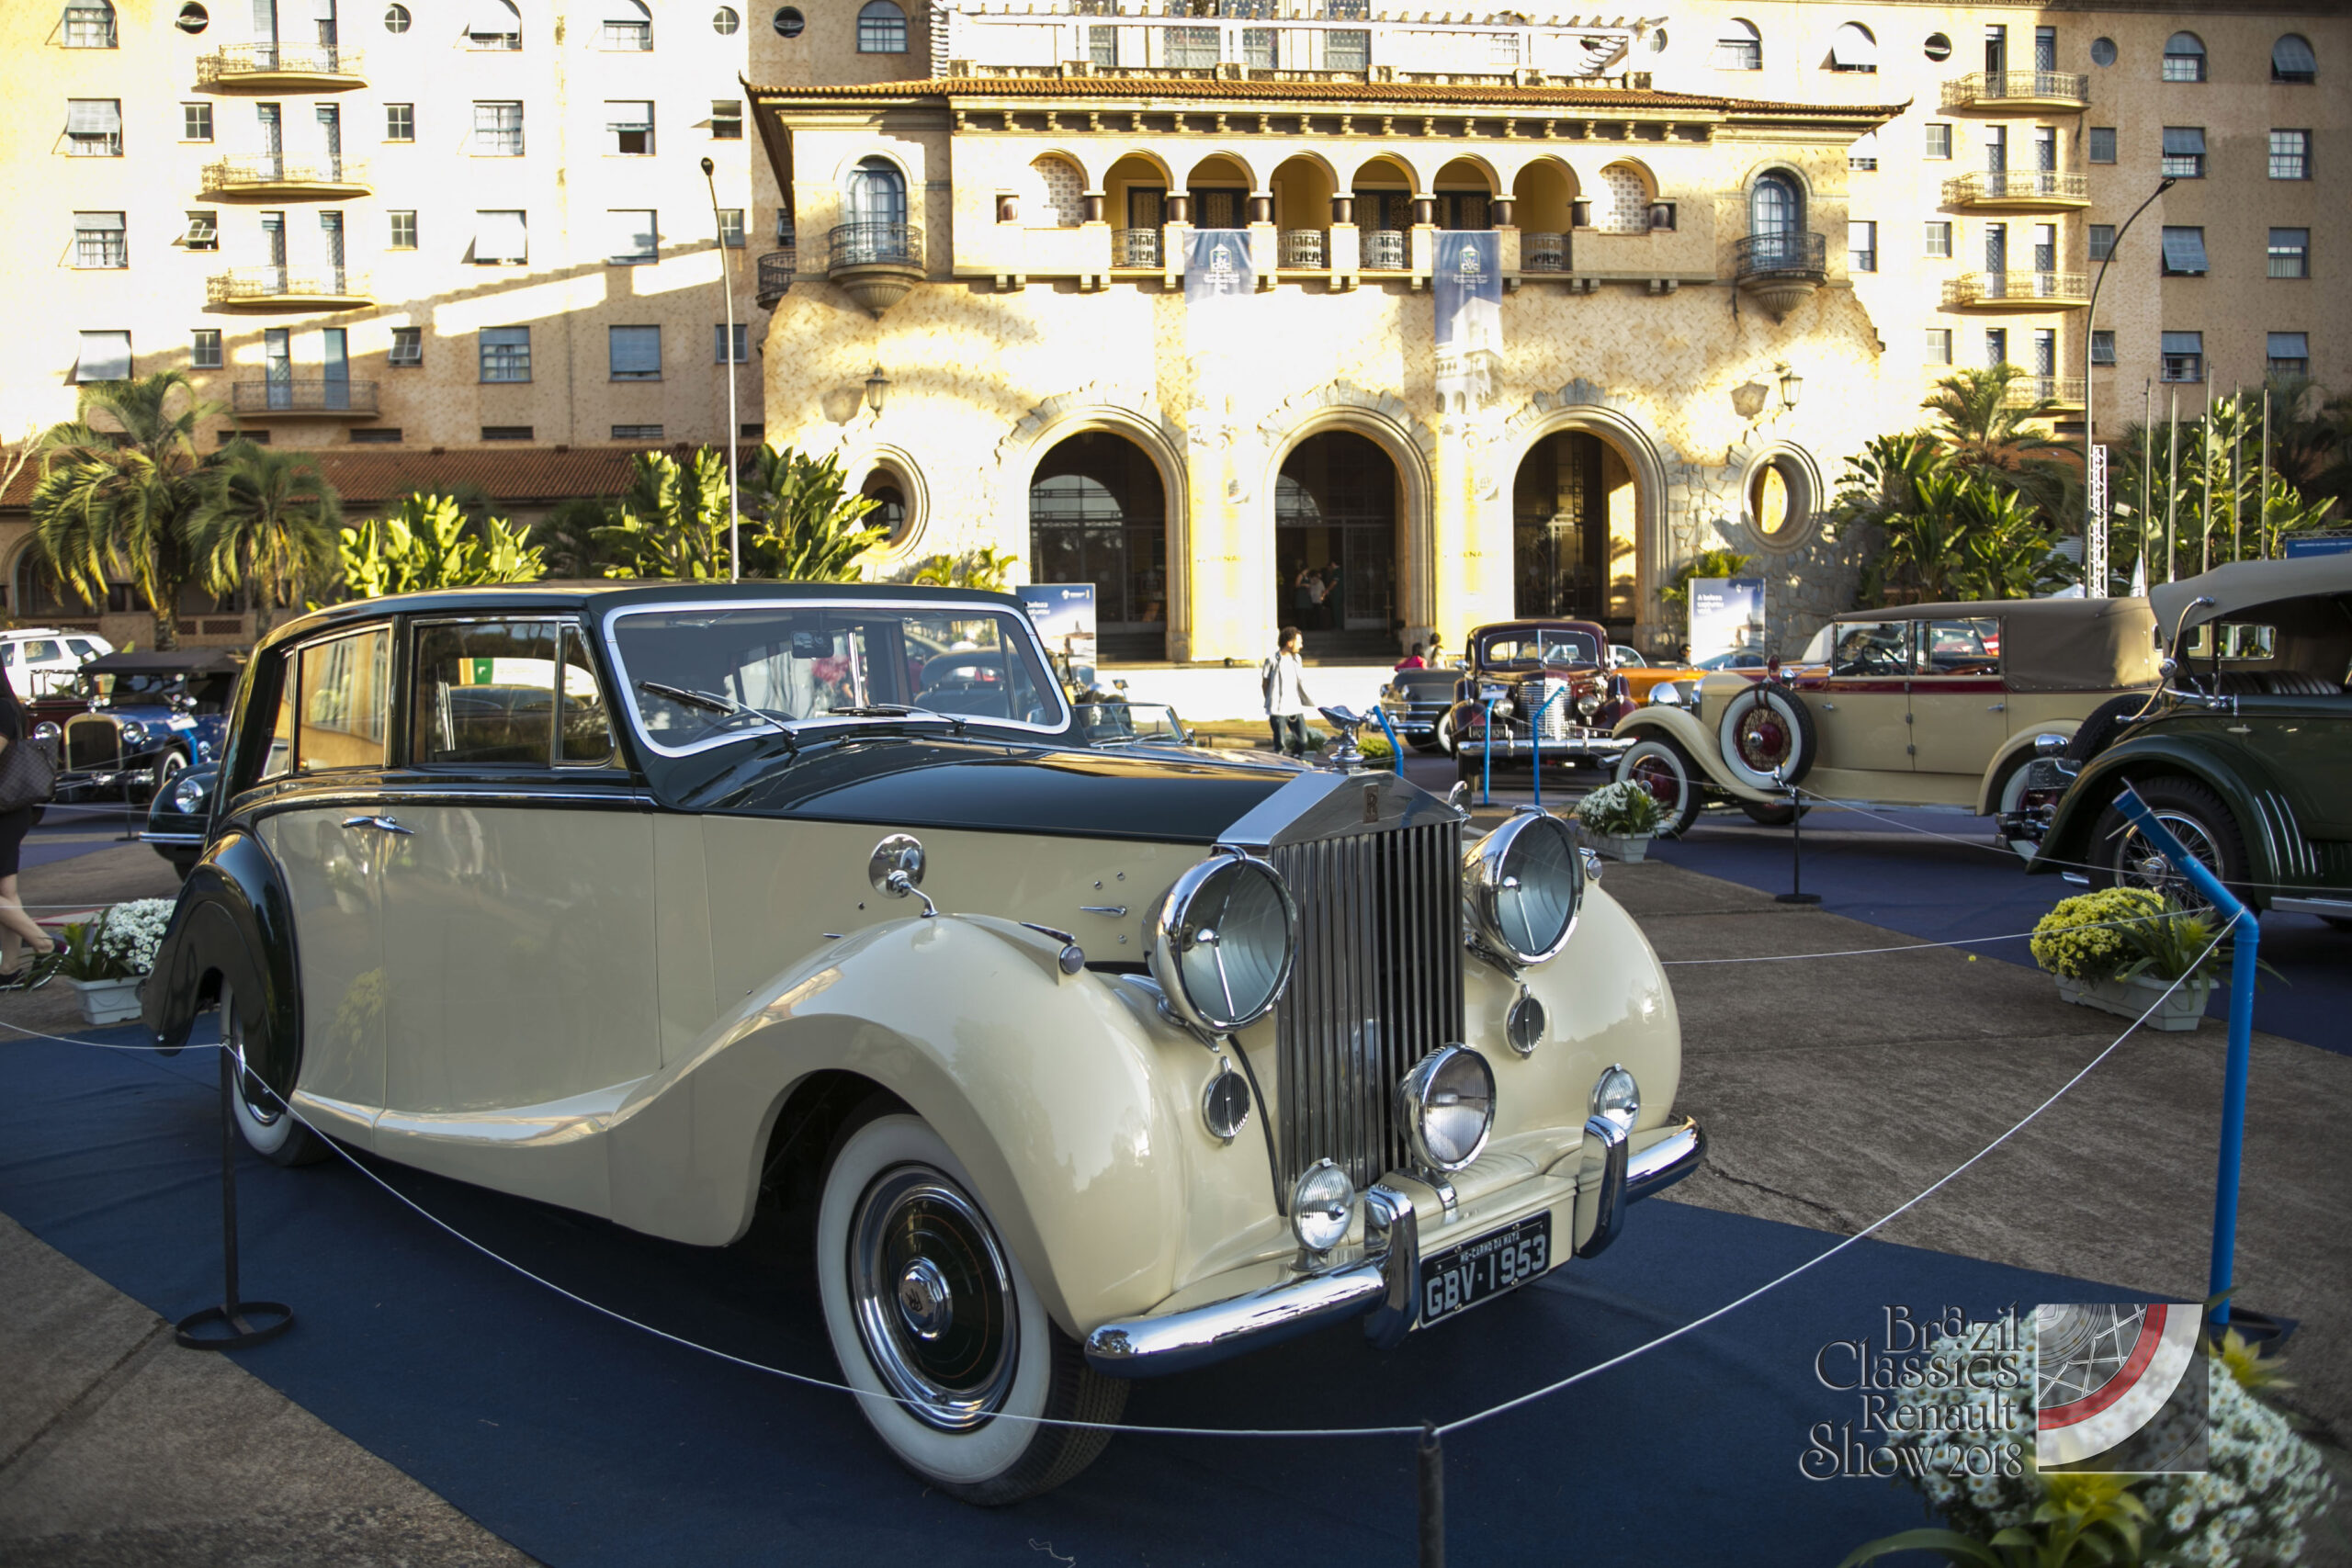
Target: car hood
(145, 713)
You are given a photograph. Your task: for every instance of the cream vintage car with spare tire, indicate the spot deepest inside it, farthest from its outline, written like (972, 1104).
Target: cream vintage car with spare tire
(1935, 706)
(666, 901)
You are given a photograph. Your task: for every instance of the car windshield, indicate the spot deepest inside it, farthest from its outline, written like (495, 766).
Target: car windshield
(702, 674)
(1550, 645)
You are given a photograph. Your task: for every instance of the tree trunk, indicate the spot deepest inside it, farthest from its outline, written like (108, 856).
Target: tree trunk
(167, 626)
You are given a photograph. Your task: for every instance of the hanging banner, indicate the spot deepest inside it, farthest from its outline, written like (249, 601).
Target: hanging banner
(1064, 613)
(1468, 289)
(1217, 275)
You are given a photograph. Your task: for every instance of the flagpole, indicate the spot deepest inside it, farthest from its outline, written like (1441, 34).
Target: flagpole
(2262, 497)
(2205, 527)
(2237, 455)
(2147, 473)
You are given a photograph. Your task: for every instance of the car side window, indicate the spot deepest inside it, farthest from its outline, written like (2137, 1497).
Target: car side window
(1971, 647)
(484, 694)
(1871, 648)
(43, 648)
(586, 732)
(346, 694)
(82, 650)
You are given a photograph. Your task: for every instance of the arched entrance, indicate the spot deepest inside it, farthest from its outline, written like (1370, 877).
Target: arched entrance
(1576, 521)
(1098, 514)
(1335, 545)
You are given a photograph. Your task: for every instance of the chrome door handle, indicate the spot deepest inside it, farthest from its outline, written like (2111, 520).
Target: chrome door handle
(385, 824)
(1998, 707)
(1829, 707)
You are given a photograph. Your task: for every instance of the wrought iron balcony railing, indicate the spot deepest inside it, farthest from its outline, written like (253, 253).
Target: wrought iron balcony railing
(276, 397)
(2017, 185)
(267, 171)
(232, 61)
(1544, 253)
(1303, 248)
(1384, 250)
(1993, 87)
(875, 244)
(775, 276)
(2061, 392)
(1762, 255)
(1134, 247)
(2020, 290)
(259, 285)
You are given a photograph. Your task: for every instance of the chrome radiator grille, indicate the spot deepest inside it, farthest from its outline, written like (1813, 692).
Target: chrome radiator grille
(1561, 713)
(92, 743)
(1377, 986)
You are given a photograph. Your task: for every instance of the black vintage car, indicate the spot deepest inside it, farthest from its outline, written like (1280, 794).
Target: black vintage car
(151, 716)
(1420, 704)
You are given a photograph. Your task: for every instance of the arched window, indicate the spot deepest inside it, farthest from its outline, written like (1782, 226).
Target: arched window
(1739, 47)
(2184, 58)
(2291, 59)
(1776, 221)
(877, 193)
(1057, 194)
(1851, 47)
(494, 24)
(89, 23)
(881, 29)
(627, 25)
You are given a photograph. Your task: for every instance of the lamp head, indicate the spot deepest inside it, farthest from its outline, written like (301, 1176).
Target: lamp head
(708, 168)
(2167, 184)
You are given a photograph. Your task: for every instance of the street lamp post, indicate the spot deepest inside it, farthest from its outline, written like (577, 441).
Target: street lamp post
(2090, 422)
(734, 469)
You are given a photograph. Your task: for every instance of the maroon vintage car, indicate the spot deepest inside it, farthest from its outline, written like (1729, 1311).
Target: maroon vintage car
(1550, 690)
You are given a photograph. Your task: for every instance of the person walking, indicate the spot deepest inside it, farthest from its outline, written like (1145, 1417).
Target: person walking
(1286, 698)
(18, 930)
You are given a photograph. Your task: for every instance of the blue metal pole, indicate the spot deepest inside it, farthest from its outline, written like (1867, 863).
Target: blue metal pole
(2243, 956)
(1396, 749)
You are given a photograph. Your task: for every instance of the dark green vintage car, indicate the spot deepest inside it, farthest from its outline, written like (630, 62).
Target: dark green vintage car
(2245, 752)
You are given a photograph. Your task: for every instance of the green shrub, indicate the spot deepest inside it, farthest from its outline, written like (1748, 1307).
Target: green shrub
(1620, 811)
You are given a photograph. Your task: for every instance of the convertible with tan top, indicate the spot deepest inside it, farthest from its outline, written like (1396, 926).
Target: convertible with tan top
(1937, 706)
(665, 902)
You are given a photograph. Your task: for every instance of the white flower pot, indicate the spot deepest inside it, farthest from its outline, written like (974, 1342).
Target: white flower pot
(2184, 1009)
(108, 1002)
(1626, 846)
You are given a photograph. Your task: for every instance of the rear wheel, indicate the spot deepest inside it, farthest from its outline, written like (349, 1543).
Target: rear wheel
(1659, 764)
(268, 1125)
(2121, 857)
(938, 1328)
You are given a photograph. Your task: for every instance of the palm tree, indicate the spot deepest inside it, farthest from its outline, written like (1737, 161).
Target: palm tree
(265, 525)
(114, 502)
(673, 519)
(1992, 432)
(567, 537)
(810, 526)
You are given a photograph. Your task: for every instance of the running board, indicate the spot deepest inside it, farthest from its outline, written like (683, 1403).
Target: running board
(2339, 907)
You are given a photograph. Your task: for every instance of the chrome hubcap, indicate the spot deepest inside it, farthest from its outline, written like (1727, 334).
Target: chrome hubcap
(924, 1300)
(932, 1296)
(2139, 864)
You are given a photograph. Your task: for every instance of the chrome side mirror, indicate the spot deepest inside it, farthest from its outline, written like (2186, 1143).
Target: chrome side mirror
(896, 870)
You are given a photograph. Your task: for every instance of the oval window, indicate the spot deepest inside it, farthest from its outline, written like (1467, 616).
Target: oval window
(725, 20)
(396, 18)
(193, 18)
(1780, 503)
(1938, 47)
(789, 21)
(2102, 52)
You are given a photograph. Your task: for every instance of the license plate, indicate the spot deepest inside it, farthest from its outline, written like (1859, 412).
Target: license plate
(1485, 1266)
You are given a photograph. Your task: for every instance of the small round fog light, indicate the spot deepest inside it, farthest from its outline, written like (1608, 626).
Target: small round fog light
(1524, 1025)
(1224, 1104)
(1618, 1096)
(1320, 1206)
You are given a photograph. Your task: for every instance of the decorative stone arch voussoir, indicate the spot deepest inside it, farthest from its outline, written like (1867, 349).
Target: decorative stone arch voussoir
(1131, 412)
(1388, 421)
(1661, 480)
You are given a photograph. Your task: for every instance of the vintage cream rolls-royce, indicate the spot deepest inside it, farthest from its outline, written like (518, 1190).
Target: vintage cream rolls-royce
(664, 902)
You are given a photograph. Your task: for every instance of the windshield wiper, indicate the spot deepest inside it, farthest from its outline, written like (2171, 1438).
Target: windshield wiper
(897, 710)
(709, 701)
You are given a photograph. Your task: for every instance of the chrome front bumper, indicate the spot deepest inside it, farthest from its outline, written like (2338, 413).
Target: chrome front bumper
(1381, 1280)
(1578, 742)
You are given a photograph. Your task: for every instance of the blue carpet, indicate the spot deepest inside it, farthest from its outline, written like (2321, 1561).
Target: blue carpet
(585, 1443)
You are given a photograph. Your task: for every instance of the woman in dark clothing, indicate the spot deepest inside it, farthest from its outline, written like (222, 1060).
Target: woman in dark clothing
(18, 930)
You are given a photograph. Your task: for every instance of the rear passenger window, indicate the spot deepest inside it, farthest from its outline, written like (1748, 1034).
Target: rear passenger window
(485, 695)
(1971, 647)
(346, 694)
(587, 725)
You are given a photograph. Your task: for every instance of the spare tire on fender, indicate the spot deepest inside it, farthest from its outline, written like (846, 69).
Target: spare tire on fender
(1764, 728)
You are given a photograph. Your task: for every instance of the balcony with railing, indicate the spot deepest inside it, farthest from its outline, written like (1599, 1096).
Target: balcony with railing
(2019, 190)
(2017, 291)
(1544, 253)
(774, 279)
(875, 263)
(1386, 250)
(275, 399)
(287, 288)
(266, 65)
(1781, 268)
(1999, 90)
(2060, 394)
(271, 175)
(1135, 250)
(1303, 250)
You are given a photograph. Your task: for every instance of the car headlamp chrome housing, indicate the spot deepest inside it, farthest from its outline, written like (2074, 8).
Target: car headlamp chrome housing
(1618, 1096)
(1525, 883)
(187, 795)
(1668, 694)
(1223, 941)
(1589, 703)
(1448, 1105)
(133, 732)
(1321, 1206)
(47, 730)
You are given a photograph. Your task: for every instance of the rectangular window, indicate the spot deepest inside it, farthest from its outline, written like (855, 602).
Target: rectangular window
(2045, 352)
(2290, 253)
(632, 237)
(507, 432)
(2290, 154)
(404, 230)
(636, 432)
(1863, 154)
(399, 123)
(484, 695)
(2102, 241)
(203, 231)
(2290, 353)
(2184, 356)
(99, 241)
(498, 129)
(499, 239)
(506, 354)
(93, 127)
(635, 353)
(1939, 346)
(106, 356)
(731, 228)
(2103, 345)
(2185, 152)
(258, 438)
(1191, 48)
(204, 349)
(628, 128)
(346, 702)
(196, 122)
(89, 25)
(408, 346)
(719, 354)
(1939, 140)
(2184, 252)
(375, 435)
(1346, 49)
(1971, 648)
(1862, 246)
(2045, 49)
(2187, 65)
(1939, 239)
(1502, 50)
(1103, 46)
(1997, 345)
(726, 119)
(2102, 144)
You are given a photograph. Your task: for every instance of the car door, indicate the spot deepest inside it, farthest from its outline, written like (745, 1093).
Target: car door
(519, 931)
(324, 765)
(1959, 711)
(1862, 704)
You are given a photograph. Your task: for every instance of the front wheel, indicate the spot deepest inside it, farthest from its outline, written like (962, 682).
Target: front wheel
(168, 768)
(1661, 766)
(263, 1117)
(956, 1366)
(2121, 857)
(1770, 816)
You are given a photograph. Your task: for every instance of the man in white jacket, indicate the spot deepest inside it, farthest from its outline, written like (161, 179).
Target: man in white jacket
(1286, 699)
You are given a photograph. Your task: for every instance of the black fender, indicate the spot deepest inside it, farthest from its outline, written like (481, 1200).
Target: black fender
(2252, 795)
(234, 923)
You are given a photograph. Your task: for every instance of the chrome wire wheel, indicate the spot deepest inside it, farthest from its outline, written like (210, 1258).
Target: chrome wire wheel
(2139, 863)
(933, 1298)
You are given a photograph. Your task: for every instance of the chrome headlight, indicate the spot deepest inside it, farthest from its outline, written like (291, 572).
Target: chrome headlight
(1524, 883)
(1223, 941)
(1449, 1107)
(1618, 1096)
(1667, 693)
(204, 751)
(1589, 704)
(1321, 1205)
(133, 732)
(188, 794)
(47, 730)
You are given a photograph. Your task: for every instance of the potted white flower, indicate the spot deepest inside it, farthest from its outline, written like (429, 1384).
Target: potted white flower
(107, 957)
(1619, 820)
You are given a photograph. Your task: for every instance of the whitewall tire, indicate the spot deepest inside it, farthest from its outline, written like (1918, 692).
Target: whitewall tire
(937, 1327)
(268, 1127)
(1667, 770)
(1763, 729)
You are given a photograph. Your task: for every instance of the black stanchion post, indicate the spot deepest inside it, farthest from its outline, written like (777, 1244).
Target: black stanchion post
(235, 1316)
(1433, 1460)
(1796, 893)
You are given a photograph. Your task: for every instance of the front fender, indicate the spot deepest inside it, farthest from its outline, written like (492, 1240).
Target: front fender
(2068, 842)
(1684, 728)
(234, 923)
(2021, 743)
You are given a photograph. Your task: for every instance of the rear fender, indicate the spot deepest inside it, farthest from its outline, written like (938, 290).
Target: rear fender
(2256, 803)
(1678, 724)
(234, 924)
(2021, 743)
